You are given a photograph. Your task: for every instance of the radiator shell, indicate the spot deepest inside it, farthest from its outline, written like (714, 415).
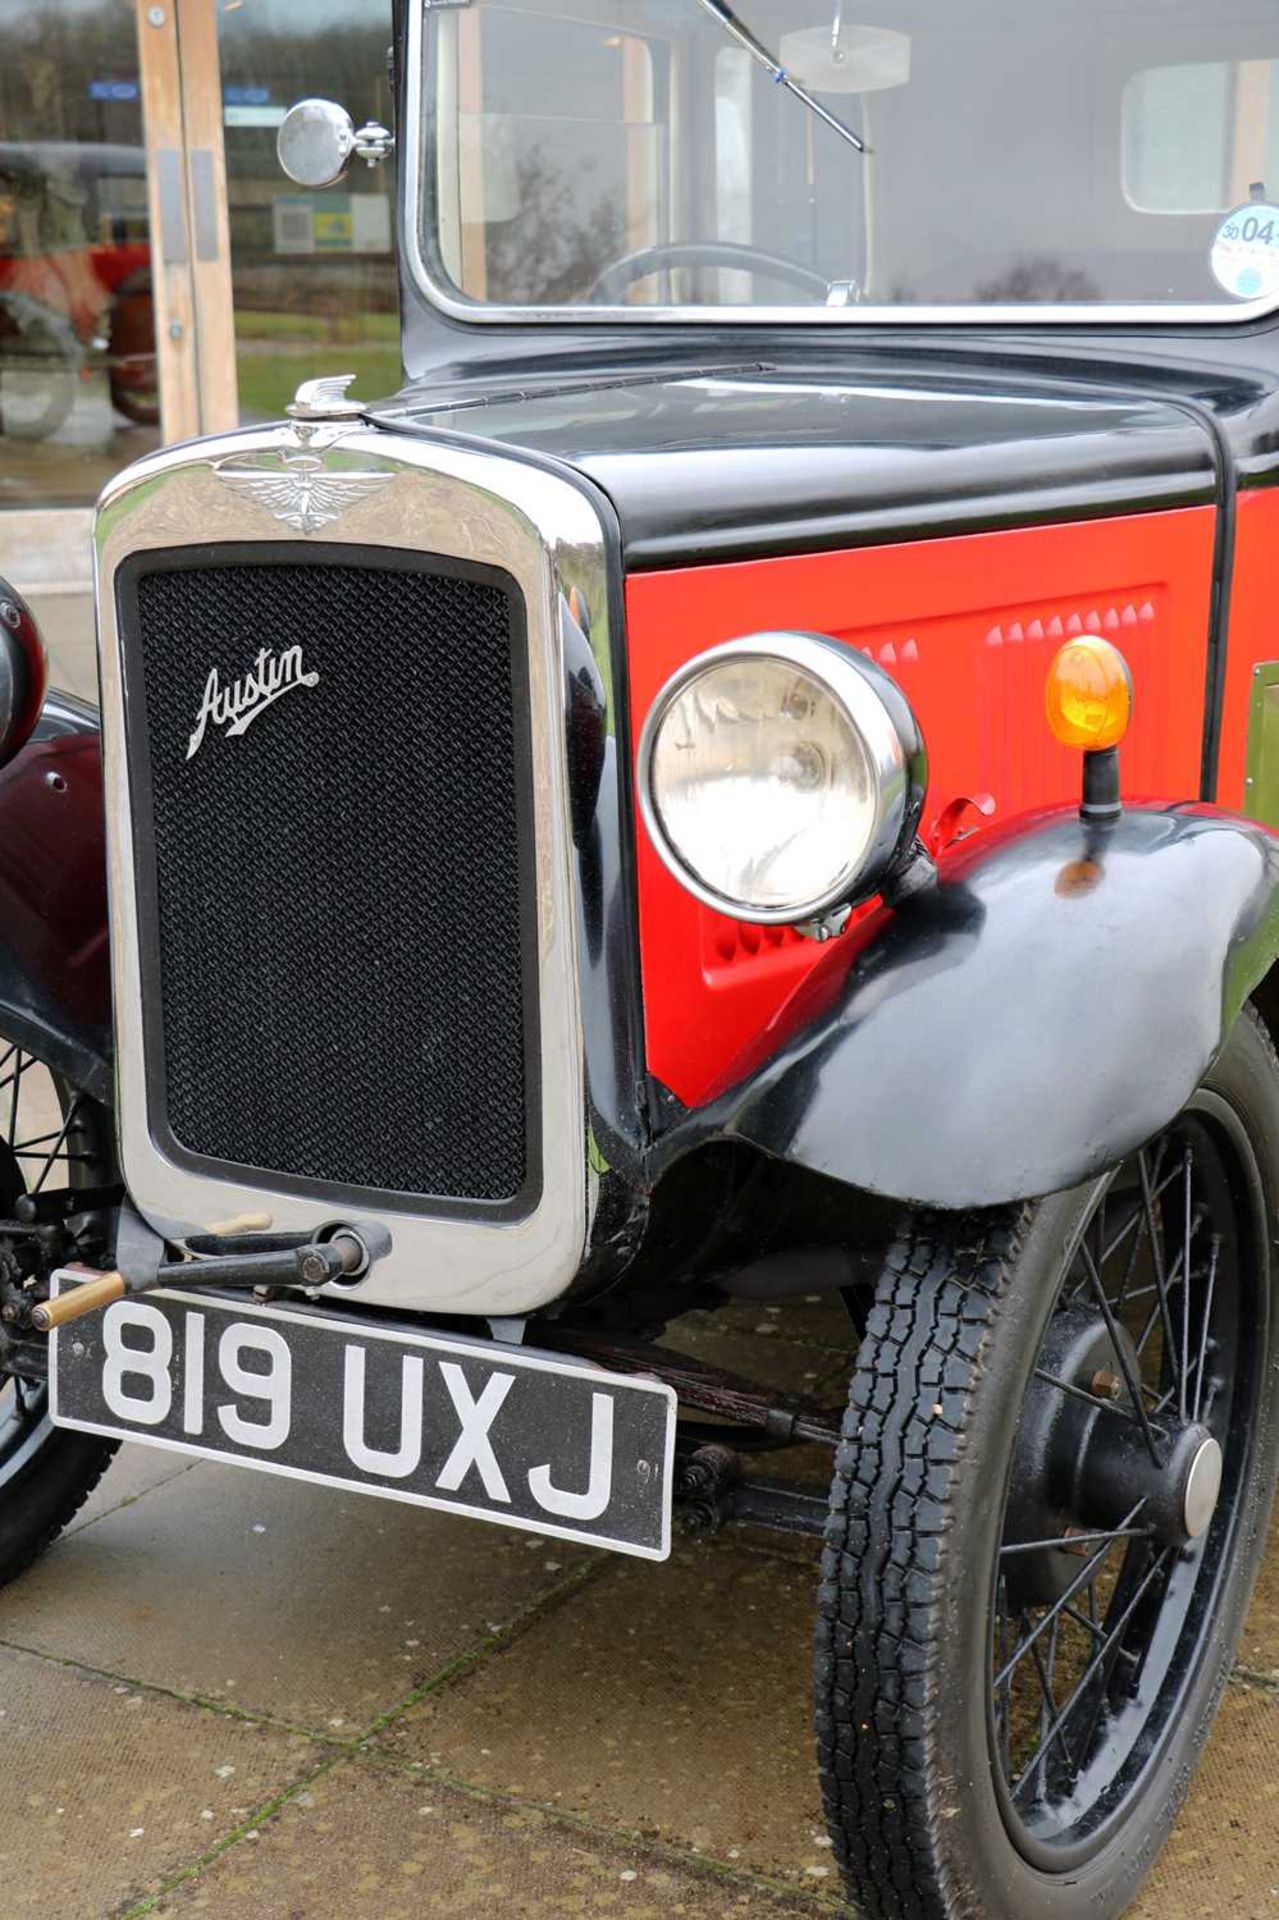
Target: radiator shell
(508, 1229)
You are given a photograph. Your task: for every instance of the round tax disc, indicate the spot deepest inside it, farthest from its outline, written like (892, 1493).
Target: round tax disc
(1245, 252)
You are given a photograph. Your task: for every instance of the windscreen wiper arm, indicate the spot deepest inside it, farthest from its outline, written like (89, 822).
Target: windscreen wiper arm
(745, 38)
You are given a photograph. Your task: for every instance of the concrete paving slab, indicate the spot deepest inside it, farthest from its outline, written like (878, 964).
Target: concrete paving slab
(369, 1844)
(110, 1791)
(133, 1472)
(673, 1700)
(768, 1359)
(316, 1607)
(1259, 1647)
(1222, 1861)
(815, 1319)
(749, 1346)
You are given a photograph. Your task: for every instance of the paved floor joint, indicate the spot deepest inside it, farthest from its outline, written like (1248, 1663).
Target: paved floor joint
(226, 1709)
(464, 1663)
(268, 1812)
(1249, 1677)
(666, 1852)
(84, 1520)
(504, 1636)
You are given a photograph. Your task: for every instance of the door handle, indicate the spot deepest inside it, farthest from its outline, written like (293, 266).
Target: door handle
(204, 203)
(173, 224)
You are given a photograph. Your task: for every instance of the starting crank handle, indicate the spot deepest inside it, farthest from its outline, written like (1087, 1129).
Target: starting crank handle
(309, 1267)
(77, 1301)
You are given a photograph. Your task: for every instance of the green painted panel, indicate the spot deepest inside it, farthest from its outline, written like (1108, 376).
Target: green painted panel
(1261, 785)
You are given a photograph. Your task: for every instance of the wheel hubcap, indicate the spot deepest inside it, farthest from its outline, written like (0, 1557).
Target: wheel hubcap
(1203, 1488)
(1083, 1460)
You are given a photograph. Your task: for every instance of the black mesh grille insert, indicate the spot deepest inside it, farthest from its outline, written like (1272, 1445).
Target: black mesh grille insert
(339, 887)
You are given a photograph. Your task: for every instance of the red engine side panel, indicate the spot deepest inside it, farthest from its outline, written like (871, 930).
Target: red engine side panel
(967, 626)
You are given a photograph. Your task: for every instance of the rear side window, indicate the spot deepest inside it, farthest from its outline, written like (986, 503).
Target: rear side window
(1201, 137)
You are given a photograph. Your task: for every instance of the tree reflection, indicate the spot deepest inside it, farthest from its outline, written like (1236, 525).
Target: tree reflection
(1038, 281)
(550, 251)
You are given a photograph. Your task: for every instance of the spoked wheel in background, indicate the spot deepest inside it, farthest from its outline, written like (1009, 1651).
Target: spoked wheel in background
(1048, 1511)
(40, 361)
(52, 1137)
(133, 369)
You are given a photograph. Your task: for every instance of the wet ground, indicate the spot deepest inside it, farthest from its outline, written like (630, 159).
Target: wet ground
(230, 1695)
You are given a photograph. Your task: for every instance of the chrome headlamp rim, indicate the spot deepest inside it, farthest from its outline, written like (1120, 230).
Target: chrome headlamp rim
(890, 740)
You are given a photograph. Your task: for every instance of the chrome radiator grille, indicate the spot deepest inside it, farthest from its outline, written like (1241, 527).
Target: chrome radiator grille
(346, 930)
(335, 900)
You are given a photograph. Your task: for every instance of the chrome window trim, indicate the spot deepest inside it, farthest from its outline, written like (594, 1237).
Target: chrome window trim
(488, 508)
(415, 155)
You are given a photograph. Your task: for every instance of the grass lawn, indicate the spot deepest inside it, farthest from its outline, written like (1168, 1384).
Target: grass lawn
(253, 325)
(269, 378)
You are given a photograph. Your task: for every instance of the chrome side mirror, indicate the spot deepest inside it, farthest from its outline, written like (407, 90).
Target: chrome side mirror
(318, 140)
(23, 673)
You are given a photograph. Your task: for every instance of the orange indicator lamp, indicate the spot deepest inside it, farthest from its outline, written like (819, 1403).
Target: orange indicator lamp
(1089, 694)
(1088, 700)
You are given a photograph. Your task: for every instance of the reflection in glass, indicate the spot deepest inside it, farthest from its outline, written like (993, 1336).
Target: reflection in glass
(78, 387)
(1018, 152)
(313, 273)
(1199, 137)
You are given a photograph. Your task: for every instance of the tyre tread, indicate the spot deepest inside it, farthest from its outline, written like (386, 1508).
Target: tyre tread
(884, 1579)
(50, 1509)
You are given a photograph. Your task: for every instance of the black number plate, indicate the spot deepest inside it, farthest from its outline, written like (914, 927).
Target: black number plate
(524, 1438)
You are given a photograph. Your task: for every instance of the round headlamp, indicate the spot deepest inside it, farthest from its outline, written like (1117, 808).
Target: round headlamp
(23, 673)
(780, 775)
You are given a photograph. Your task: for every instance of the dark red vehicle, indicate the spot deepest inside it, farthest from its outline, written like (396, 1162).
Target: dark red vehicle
(753, 774)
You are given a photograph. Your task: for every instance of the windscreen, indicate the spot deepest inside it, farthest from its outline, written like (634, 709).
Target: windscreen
(793, 154)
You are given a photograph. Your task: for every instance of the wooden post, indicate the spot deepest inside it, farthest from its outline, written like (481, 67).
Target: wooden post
(208, 214)
(190, 240)
(642, 211)
(1252, 118)
(470, 105)
(173, 293)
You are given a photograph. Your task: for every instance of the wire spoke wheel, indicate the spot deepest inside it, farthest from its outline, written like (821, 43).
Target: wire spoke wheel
(53, 1137)
(48, 1139)
(1049, 1506)
(1123, 1497)
(39, 363)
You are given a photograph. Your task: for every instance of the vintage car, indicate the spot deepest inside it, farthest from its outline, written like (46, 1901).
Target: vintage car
(748, 777)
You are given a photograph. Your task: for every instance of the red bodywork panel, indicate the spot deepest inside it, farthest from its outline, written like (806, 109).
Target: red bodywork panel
(53, 875)
(967, 626)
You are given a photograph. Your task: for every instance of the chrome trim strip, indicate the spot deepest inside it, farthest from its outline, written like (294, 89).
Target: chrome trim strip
(438, 498)
(414, 157)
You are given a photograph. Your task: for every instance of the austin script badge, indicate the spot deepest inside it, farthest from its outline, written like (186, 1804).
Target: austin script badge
(236, 707)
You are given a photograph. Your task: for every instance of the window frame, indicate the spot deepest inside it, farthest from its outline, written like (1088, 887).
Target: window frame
(420, 178)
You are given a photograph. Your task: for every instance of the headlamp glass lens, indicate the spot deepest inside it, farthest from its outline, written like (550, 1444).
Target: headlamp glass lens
(763, 786)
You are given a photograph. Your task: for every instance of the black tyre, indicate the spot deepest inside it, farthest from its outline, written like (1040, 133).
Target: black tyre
(51, 1137)
(133, 370)
(1049, 1506)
